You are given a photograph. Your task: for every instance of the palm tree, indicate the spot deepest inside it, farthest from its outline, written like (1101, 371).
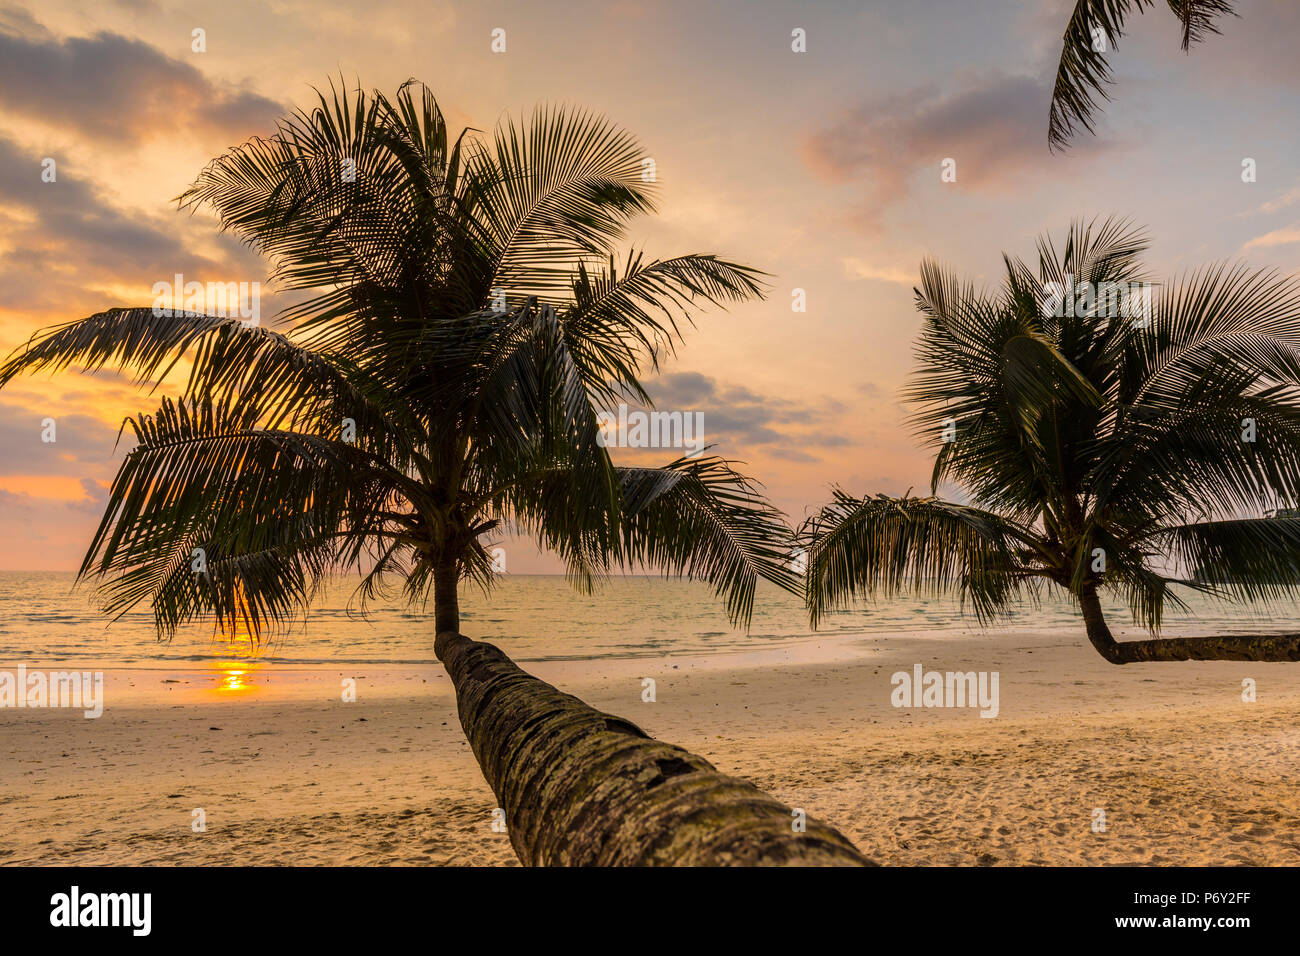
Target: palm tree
(1094, 29)
(1100, 446)
(461, 316)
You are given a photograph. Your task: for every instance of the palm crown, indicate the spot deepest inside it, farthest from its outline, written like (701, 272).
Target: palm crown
(1102, 442)
(460, 317)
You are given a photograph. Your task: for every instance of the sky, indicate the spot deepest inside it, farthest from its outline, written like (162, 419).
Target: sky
(822, 168)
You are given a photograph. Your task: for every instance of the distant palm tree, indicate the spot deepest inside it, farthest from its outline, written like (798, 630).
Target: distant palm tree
(1093, 31)
(461, 321)
(1102, 445)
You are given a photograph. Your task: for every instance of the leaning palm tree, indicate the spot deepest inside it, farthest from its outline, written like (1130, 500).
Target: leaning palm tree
(1100, 443)
(460, 318)
(1094, 29)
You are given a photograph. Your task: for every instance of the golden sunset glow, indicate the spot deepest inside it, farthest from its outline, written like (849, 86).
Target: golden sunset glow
(648, 433)
(236, 667)
(832, 188)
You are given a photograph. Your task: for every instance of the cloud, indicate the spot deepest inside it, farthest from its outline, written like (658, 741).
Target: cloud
(858, 269)
(83, 447)
(1288, 198)
(52, 494)
(1278, 237)
(994, 125)
(118, 90)
(66, 243)
(873, 390)
(38, 534)
(737, 419)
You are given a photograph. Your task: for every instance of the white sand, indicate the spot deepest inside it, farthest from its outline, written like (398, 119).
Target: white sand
(1185, 771)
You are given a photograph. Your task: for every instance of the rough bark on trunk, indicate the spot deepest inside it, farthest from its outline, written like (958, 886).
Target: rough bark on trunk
(584, 788)
(1241, 647)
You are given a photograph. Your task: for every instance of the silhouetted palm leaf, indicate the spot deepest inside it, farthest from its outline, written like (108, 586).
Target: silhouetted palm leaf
(1094, 29)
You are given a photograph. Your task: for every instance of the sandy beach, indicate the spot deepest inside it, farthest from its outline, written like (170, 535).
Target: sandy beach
(285, 772)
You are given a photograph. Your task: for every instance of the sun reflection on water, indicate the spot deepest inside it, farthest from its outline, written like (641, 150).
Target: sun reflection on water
(236, 668)
(235, 677)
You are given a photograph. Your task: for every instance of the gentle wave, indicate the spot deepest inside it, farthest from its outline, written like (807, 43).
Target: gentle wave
(534, 618)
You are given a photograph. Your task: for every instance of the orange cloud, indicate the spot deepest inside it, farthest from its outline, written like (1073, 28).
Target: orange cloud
(87, 82)
(993, 128)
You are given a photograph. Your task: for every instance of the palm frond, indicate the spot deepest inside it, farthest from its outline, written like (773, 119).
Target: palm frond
(210, 478)
(1082, 75)
(1197, 17)
(1094, 29)
(552, 192)
(1248, 559)
(141, 341)
(859, 548)
(701, 519)
(619, 323)
(696, 518)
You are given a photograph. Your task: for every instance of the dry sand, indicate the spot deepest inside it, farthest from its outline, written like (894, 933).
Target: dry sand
(286, 773)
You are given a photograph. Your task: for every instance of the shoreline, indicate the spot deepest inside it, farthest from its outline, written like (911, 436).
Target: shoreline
(286, 772)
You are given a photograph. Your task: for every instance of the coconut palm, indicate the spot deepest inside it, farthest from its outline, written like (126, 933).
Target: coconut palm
(459, 318)
(1094, 29)
(1098, 443)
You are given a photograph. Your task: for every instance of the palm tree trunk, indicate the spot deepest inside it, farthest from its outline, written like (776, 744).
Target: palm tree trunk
(446, 597)
(1239, 647)
(584, 788)
(1095, 623)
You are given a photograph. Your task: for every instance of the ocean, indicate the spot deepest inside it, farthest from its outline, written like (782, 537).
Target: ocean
(533, 618)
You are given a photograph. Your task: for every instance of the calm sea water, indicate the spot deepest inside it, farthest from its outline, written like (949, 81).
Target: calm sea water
(43, 617)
